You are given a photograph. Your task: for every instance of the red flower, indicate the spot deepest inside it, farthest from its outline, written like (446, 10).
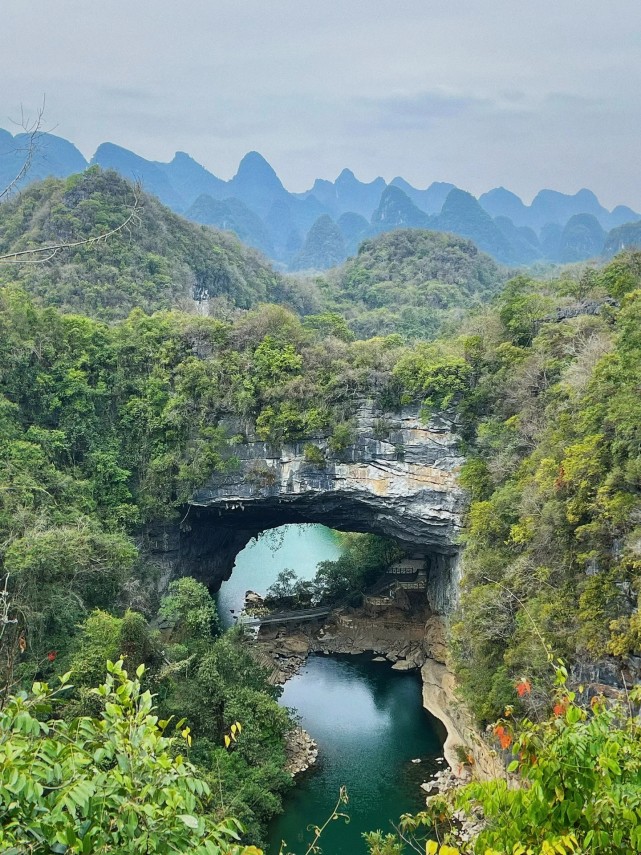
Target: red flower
(523, 687)
(52, 655)
(505, 740)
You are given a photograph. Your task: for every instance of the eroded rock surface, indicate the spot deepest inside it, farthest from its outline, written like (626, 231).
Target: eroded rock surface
(397, 479)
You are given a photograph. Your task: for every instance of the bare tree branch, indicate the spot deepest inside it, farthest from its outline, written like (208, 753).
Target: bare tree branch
(39, 255)
(33, 130)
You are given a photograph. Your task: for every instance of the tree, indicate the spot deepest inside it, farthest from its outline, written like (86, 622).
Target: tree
(189, 608)
(42, 254)
(111, 784)
(578, 791)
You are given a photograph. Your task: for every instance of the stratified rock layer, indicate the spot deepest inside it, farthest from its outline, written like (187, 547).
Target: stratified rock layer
(397, 479)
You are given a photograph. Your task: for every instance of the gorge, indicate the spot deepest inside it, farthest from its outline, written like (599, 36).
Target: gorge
(128, 489)
(397, 478)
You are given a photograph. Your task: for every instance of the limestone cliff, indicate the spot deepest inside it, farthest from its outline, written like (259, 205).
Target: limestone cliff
(397, 479)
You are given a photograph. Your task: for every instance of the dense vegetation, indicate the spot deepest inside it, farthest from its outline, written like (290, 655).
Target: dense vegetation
(411, 282)
(415, 283)
(364, 558)
(104, 428)
(552, 537)
(107, 426)
(580, 776)
(160, 261)
(110, 784)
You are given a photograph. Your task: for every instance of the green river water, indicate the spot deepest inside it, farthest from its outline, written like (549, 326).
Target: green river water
(367, 719)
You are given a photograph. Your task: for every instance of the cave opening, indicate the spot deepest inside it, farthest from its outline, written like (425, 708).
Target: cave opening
(402, 486)
(299, 547)
(213, 538)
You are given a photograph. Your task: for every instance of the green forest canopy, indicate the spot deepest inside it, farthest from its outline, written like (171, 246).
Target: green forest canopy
(109, 422)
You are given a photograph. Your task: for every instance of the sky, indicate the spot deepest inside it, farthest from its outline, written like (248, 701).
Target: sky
(482, 93)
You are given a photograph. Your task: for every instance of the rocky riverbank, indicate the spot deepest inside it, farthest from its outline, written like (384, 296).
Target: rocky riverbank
(301, 751)
(410, 639)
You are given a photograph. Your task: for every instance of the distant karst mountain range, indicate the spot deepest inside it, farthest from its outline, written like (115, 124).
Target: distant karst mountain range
(322, 226)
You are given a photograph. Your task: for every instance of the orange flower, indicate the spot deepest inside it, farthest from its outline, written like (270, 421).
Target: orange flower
(505, 739)
(523, 687)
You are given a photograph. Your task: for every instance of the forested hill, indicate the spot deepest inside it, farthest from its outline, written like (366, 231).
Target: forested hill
(413, 282)
(417, 283)
(159, 261)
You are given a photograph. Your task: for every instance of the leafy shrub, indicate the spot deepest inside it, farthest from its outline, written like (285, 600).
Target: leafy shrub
(113, 784)
(314, 454)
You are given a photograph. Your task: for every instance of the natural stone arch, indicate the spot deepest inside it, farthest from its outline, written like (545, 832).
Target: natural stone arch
(398, 480)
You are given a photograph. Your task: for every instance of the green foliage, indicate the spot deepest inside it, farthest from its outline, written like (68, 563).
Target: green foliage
(521, 306)
(313, 454)
(59, 574)
(342, 437)
(363, 559)
(160, 262)
(551, 536)
(623, 274)
(476, 478)
(106, 428)
(329, 323)
(219, 686)
(109, 784)
(436, 378)
(581, 770)
(383, 844)
(190, 611)
(290, 592)
(413, 282)
(578, 787)
(98, 641)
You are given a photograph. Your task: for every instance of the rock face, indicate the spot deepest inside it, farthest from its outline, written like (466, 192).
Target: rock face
(439, 698)
(397, 479)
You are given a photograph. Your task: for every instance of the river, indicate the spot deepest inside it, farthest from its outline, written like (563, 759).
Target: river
(367, 719)
(369, 723)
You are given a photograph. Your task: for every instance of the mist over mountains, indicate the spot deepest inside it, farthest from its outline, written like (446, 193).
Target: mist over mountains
(322, 226)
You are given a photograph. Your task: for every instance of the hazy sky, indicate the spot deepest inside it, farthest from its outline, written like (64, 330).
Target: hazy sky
(477, 92)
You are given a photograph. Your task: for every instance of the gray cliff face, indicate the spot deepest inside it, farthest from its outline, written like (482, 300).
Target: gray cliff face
(398, 480)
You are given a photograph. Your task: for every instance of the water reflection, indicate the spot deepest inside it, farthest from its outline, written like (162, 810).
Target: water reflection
(369, 723)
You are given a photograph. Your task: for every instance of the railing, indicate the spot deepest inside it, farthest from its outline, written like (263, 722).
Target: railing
(387, 580)
(286, 617)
